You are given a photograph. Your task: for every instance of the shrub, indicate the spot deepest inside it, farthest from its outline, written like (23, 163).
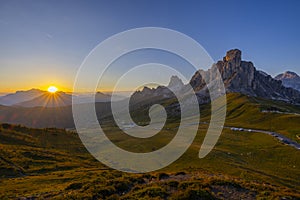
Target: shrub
(6, 126)
(148, 176)
(122, 186)
(153, 192)
(173, 184)
(138, 180)
(104, 192)
(113, 197)
(162, 176)
(225, 183)
(74, 186)
(180, 174)
(193, 194)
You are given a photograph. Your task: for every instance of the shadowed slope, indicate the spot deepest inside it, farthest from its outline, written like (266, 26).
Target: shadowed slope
(57, 99)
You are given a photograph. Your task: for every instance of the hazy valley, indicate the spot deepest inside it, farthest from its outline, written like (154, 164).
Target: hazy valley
(42, 156)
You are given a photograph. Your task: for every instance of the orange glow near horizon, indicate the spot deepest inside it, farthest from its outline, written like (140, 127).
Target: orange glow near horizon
(52, 89)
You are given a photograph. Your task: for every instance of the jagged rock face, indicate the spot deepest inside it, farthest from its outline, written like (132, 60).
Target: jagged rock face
(238, 76)
(233, 56)
(241, 76)
(287, 75)
(289, 79)
(160, 92)
(198, 80)
(175, 83)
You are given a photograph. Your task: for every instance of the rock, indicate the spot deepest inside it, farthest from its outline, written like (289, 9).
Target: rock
(289, 79)
(242, 77)
(233, 56)
(238, 76)
(175, 83)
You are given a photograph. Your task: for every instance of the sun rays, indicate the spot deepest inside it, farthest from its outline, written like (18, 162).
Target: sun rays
(52, 89)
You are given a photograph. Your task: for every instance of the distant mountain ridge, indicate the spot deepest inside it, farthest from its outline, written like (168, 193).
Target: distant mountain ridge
(242, 77)
(289, 79)
(20, 96)
(48, 99)
(40, 98)
(238, 76)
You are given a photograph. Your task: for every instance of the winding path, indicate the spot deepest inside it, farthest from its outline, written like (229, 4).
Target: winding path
(279, 136)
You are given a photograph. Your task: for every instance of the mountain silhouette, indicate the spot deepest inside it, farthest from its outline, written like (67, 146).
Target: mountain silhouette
(20, 96)
(48, 99)
(238, 77)
(289, 79)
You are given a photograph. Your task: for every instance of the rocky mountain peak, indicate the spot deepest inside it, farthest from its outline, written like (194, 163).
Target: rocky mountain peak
(233, 56)
(289, 75)
(238, 76)
(289, 79)
(242, 77)
(175, 83)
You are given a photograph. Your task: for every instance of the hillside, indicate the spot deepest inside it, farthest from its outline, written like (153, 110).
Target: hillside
(258, 113)
(52, 163)
(38, 117)
(44, 117)
(242, 111)
(47, 99)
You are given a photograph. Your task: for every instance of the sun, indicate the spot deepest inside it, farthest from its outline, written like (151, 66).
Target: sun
(52, 89)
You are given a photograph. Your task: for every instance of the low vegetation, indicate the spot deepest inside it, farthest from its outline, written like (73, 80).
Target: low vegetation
(53, 164)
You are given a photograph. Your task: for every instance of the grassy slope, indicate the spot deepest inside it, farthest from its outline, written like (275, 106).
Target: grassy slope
(246, 112)
(52, 162)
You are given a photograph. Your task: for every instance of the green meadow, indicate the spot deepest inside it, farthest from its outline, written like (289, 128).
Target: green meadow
(53, 164)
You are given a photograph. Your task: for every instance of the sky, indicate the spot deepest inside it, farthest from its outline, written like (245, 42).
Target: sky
(44, 42)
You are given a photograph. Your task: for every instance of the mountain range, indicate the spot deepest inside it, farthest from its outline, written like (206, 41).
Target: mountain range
(289, 79)
(238, 77)
(48, 99)
(36, 108)
(20, 96)
(40, 98)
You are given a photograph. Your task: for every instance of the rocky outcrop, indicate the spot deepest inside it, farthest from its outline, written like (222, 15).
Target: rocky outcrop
(242, 77)
(289, 79)
(175, 83)
(237, 75)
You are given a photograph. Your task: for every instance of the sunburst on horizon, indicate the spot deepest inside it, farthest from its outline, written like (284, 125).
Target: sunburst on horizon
(52, 89)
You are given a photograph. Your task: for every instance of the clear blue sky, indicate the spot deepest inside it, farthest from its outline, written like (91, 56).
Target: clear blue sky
(44, 42)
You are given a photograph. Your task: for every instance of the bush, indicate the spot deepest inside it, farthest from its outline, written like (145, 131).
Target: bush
(173, 184)
(104, 192)
(153, 192)
(74, 186)
(148, 176)
(113, 197)
(122, 186)
(225, 183)
(138, 180)
(194, 194)
(162, 176)
(180, 174)
(6, 126)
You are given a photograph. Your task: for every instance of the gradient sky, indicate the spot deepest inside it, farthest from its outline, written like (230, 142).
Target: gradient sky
(43, 43)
